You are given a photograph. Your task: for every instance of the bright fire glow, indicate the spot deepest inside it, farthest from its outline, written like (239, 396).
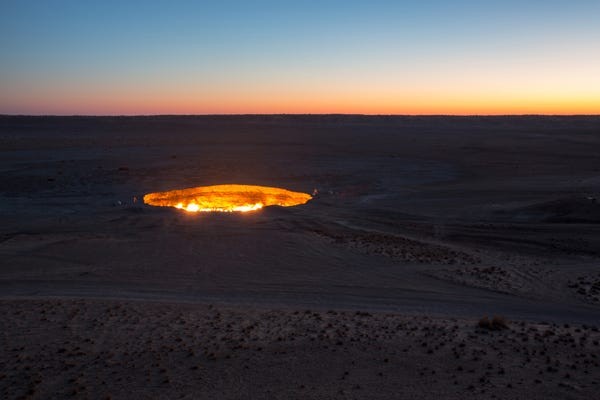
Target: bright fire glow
(226, 198)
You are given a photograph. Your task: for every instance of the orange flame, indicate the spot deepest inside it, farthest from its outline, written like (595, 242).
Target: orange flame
(226, 198)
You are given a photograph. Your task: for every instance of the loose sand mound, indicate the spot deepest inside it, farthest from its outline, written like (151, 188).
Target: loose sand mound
(492, 278)
(399, 247)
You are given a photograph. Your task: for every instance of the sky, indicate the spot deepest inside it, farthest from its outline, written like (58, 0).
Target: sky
(238, 57)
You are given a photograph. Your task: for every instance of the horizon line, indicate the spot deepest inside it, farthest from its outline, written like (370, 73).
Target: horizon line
(296, 114)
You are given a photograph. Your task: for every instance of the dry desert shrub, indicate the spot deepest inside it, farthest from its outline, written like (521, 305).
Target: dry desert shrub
(497, 323)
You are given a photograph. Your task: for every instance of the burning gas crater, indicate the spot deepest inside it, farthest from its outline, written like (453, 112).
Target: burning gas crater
(226, 198)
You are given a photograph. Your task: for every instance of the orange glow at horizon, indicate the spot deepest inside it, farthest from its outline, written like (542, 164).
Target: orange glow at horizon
(334, 103)
(460, 93)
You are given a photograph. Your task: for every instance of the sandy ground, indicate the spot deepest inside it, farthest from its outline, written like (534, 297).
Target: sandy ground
(426, 224)
(109, 349)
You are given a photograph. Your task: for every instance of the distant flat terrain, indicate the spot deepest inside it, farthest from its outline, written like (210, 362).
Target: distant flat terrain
(441, 217)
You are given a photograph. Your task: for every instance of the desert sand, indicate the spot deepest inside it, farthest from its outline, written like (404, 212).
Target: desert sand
(420, 227)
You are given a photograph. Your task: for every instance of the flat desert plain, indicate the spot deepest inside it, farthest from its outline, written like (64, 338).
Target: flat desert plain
(377, 288)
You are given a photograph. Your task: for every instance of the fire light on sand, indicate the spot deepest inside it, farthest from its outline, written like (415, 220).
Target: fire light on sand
(226, 198)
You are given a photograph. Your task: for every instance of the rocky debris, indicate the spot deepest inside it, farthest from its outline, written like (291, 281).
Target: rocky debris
(587, 287)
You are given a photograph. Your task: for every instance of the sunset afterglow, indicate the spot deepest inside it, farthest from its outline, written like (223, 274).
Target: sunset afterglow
(236, 57)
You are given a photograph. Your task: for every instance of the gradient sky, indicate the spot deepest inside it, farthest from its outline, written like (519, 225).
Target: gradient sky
(372, 57)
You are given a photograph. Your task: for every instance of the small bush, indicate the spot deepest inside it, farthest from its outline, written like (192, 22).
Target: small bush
(495, 324)
(485, 323)
(499, 323)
